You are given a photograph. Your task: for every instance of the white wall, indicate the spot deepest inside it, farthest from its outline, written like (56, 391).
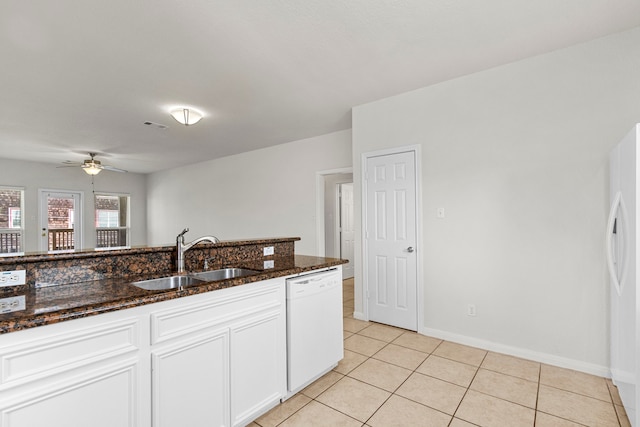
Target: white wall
(518, 157)
(264, 193)
(33, 176)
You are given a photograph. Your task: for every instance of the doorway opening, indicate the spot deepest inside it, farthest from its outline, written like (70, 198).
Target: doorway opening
(335, 225)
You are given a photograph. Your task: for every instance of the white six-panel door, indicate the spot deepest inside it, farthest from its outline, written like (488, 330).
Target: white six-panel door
(390, 239)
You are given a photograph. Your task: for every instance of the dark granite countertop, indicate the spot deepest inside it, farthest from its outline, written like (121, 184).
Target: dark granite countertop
(53, 304)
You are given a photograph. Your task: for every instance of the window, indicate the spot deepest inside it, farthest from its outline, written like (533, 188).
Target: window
(15, 217)
(107, 218)
(112, 220)
(11, 225)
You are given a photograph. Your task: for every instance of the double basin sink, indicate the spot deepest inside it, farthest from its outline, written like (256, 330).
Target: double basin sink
(192, 279)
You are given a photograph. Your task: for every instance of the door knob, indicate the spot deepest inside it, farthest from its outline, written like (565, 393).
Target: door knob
(410, 249)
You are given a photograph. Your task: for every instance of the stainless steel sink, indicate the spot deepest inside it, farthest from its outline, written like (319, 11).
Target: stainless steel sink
(174, 282)
(222, 274)
(164, 283)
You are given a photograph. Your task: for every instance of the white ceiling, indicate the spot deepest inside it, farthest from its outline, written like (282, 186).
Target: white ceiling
(80, 76)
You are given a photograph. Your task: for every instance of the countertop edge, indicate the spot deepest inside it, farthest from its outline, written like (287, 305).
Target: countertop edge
(8, 326)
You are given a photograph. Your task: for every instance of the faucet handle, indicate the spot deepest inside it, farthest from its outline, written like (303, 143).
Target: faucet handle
(183, 232)
(207, 261)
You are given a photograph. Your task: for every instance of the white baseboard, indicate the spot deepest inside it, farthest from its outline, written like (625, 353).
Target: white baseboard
(359, 315)
(550, 359)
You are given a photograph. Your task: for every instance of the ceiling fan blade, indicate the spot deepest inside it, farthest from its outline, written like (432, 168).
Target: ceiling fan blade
(112, 169)
(92, 162)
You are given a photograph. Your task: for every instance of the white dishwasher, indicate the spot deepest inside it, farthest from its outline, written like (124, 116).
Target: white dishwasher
(314, 327)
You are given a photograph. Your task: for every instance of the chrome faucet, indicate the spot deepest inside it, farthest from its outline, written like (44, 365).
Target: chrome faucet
(182, 247)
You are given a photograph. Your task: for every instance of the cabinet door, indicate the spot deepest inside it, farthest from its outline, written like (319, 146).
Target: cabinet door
(190, 382)
(104, 397)
(258, 365)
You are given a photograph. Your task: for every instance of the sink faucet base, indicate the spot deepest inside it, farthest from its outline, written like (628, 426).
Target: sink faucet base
(182, 247)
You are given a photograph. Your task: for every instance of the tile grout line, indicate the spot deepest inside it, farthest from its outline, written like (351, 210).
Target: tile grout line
(578, 394)
(432, 353)
(614, 403)
(535, 413)
(468, 388)
(477, 370)
(393, 393)
(415, 371)
(355, 379)
(334, 409)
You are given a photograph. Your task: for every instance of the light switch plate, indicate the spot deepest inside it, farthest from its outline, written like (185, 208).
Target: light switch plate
(268, 251)
(268, 264)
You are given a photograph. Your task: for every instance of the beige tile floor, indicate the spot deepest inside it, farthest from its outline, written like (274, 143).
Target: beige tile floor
(393, 377)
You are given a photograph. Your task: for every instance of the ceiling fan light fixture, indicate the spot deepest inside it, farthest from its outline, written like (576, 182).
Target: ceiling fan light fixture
(92, 167)
(186, 116)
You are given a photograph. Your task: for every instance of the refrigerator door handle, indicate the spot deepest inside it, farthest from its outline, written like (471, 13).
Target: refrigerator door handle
(619, 230)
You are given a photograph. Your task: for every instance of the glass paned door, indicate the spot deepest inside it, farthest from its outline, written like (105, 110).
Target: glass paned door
(11, 225)
(60, 221)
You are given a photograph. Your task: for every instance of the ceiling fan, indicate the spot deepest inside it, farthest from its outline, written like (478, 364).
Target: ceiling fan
(91, 166)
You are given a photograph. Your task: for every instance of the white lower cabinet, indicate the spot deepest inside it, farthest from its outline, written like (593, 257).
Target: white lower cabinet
(212, 359)
(221, 360)
(190, 382)
(258, 374)
(103, 398)
(59, 376)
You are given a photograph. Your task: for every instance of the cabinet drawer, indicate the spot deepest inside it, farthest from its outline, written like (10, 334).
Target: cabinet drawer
(102, 397)
(49, 355)
(217, 308)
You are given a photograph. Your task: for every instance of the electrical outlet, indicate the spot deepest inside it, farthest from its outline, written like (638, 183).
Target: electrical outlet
(268, 264)
(471, 310)
(12, 278)
(268, 251)
(8, 305)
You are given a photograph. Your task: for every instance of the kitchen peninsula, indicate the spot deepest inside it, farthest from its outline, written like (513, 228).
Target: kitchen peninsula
(89, 348)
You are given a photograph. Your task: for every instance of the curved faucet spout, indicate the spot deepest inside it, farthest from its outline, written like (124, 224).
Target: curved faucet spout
(212, 239)
(182, 247)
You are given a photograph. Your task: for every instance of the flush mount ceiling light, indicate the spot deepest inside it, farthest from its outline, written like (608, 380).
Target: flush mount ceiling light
(186, 116)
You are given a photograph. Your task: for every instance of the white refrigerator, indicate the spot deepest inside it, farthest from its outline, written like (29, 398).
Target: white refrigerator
(622, 260)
